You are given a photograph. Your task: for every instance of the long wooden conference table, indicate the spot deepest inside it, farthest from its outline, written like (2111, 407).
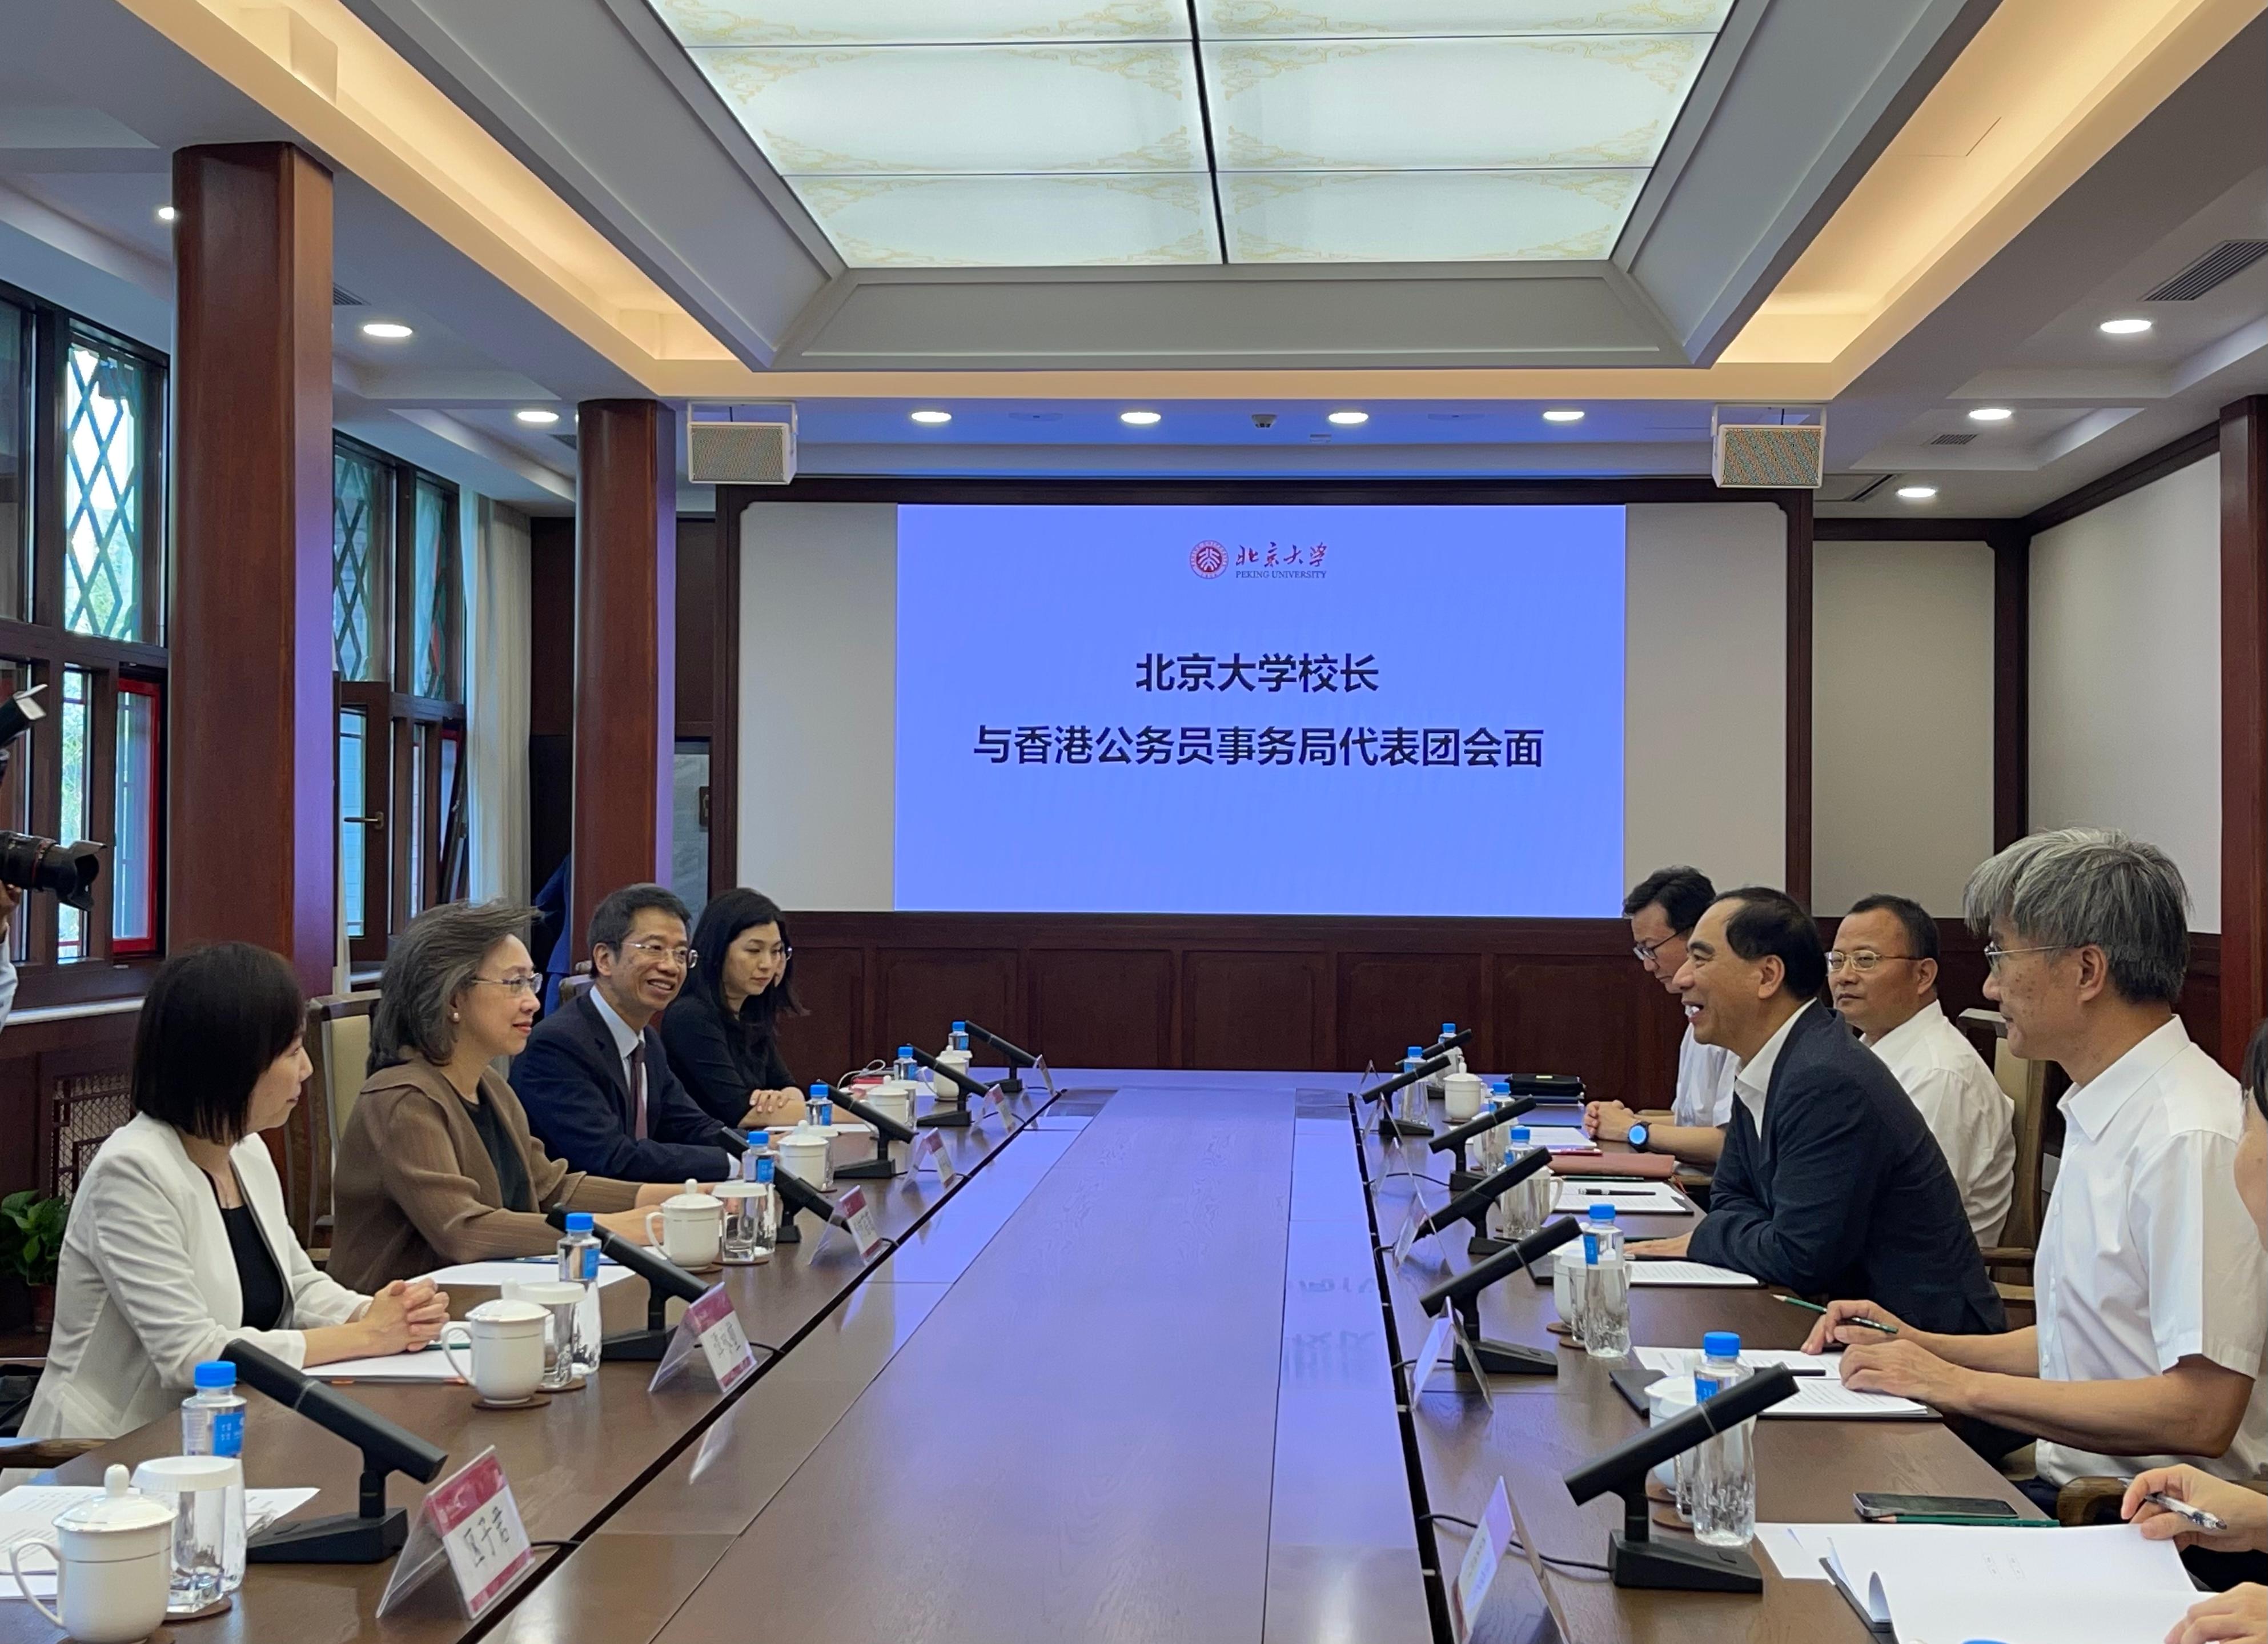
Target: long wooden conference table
(1133, 1377)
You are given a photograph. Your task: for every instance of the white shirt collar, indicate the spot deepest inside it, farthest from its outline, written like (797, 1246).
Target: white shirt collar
(626, 1037)
(1754, 1077)
(2092, 1106)
(1919, 1025)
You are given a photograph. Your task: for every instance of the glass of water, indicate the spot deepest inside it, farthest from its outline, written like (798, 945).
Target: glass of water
(1724, 1487)
(751, 1221)
(209, 1533)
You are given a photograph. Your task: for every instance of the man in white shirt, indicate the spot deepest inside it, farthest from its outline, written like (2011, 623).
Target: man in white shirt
(2152, 1285)
(1882, 971)
(1663, 910)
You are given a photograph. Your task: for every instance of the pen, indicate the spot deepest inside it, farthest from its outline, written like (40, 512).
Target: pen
(1978, 1521)
(1865, 1324)
(2196, 1515)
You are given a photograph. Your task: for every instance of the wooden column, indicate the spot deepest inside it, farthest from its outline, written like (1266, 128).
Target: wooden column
(2244, 724)
(253, 830)
(1797, 506)
(625, 646)
(2012, 682)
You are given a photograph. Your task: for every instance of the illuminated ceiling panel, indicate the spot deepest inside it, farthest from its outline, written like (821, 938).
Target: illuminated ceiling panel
(1060, 133)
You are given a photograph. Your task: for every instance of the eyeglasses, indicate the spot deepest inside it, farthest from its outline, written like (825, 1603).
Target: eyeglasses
(1646, 951)
(684, 958)
(1862, 962)
(511, 984)
(1993, 954)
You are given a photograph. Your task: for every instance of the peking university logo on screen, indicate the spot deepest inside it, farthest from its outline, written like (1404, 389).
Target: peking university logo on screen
(1272, 561)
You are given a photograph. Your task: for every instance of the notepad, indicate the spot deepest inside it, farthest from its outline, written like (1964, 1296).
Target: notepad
(1628, 1199)
(1558, 1135)
(1927, 1583)
(28, 1513)
(1666, 1275)
(1819, 1398)
(430, 1365)
(532, 1270)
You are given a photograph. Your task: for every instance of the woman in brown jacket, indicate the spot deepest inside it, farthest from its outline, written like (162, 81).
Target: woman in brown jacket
(436, 1164)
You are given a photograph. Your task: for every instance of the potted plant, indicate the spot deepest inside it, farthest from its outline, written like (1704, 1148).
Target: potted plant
(32, 1245)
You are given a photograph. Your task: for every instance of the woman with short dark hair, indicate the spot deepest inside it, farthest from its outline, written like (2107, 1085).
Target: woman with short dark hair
(178, 1242)
(722, 1033)
(436, 1164)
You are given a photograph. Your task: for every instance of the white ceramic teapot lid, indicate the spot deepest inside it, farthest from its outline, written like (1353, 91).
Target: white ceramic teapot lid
(119, 1507)
(692, 1198)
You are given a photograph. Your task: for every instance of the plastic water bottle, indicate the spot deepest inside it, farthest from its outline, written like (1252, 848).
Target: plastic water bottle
(1412, 1103)
(1494, 1148)
(766, 1231)
(1606, 1286)
(578, 1265)
(212, 1424)
(1433, 1086)
(958, 1039)
(905, 1067)
(1724, 1492)
(819, 1106)
(1524, 1209)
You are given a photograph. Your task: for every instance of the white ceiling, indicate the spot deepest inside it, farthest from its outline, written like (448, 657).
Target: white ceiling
(1062, 133)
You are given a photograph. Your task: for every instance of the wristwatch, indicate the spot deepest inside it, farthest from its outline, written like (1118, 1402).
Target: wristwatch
(1638, 1133)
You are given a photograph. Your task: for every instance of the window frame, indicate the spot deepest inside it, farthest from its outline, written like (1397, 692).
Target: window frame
(39, 641)
(400, 727)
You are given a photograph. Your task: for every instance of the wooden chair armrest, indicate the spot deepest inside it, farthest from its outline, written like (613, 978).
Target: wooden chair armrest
(45, 1453)
(2090, 1501)
(2009, 1254)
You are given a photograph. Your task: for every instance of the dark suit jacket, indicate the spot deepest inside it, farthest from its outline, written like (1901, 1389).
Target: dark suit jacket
(720, 1061)
(1846, 1193)
(570, 1079)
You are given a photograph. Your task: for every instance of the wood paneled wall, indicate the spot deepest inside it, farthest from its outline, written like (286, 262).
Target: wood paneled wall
(1559, 996)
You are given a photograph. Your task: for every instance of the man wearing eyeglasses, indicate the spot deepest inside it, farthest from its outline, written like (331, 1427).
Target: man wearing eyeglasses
(1882, 973)
(1663, 910)
(2152, 1284)
(595, 1079)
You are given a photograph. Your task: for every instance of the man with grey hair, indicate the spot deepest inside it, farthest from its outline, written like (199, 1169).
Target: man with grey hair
(2152, 1286)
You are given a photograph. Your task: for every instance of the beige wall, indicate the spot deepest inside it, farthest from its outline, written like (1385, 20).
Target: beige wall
(1902, 720)
(1706, 707)
(2125, 675)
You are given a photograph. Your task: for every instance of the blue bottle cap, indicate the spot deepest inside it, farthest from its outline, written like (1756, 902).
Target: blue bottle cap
(1448, 1029)
(1417, 1053)
(215, 1373)
(758, 1140)
(1602, 1212)
(1520, 1134)
(1721, 1344)
(907, 1051)
(819, 1093)
(579, 1221)
(960, 1027)
(1502, 1087)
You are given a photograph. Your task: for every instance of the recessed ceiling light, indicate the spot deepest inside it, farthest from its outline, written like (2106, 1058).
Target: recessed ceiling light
(166, 214)
(1917, 493)
(1139, 419)
(1348, 419)
(536, 416)
(386, 330)
(932, 416)
(1991, 414)
(1564, 415)
(2123, 328)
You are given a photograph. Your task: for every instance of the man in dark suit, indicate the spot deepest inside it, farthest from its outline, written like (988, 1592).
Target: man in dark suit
(1830, 1183)
(595, 1078)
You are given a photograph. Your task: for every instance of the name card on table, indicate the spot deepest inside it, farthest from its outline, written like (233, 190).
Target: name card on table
(1000, 1102)
(930, 1153)
(468, 1523)
(709, 1325)
(1406, 1240)
(1429, 1356)
(1483, 1554)
(860, 1215)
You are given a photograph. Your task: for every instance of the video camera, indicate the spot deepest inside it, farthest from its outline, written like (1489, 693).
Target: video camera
(27, 861)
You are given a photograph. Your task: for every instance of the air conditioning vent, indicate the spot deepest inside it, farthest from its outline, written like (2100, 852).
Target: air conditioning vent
(1952, 440)
(2225, 261)
(342, 298)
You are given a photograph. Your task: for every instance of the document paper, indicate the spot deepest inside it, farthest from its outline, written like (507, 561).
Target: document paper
(1816, 1397)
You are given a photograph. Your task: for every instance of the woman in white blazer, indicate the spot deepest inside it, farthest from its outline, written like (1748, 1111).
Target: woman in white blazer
(178, 1244)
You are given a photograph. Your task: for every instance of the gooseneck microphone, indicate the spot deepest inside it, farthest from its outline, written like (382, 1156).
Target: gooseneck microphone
(1016, 1057)
(1634, 1558)
(374, 1533)
(1382, 1092)
(950, 1112)
(1472, 1204)
(888, 1128)
(1488, 1120)
(1462, 1291)
(793, 1190)
(664, 1278)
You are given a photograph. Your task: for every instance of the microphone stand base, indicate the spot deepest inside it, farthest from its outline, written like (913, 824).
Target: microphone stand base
(342, 1539)
(1499, 1357)
(1012, 1085)
(1404, 1127)
(1483, 1245)
(1684, 1567)
(1463, 1181)
(943, 1116)
(637, 1346)
(880, 1168)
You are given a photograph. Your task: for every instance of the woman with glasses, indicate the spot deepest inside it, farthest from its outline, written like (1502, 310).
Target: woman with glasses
(722, 1034)
(436, 1164)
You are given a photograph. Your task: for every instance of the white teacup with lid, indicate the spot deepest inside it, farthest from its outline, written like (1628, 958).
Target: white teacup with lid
(1462, 1095)
(504, 1343)
(113, 1565)
(692, 1228)
(802, 1150)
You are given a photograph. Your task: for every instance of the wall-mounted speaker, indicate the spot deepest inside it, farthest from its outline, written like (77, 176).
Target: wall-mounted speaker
(735, 452)
(1746, 451)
